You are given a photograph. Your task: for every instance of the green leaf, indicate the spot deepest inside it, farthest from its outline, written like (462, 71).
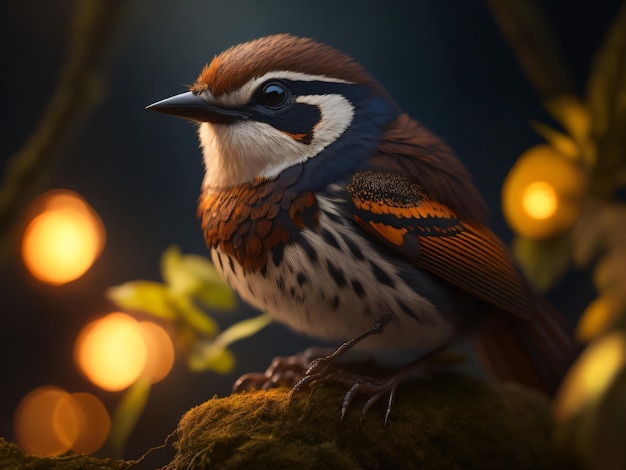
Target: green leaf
(217, 296)
(563, 143)
(571, 113)
(128, 412)
(606, 95)
(212, 355)
(243, 329)
(197, 319)
(543, 261)
(173, 272)
(196, 275)
(146, 296)
(599, 231)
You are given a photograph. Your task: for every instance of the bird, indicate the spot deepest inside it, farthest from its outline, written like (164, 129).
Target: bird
(326, 205)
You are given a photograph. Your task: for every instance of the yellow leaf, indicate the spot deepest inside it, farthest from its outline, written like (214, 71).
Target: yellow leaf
(207, 353)
(596, 319)
(145, 296)
(128, 412)
(194, 317)
(572, 114)
(606, 95)
(543, 261)
(243, 329)
(174, 273)
(219, 297)
(610, 271)
(196, 275)
(590, 377)
(215, 358)
(600, 229)
(561, 142)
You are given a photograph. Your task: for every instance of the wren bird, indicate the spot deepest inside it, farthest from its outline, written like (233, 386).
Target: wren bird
(326, 205)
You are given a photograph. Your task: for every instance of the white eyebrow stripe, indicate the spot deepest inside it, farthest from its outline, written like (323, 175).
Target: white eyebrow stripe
(240, 97)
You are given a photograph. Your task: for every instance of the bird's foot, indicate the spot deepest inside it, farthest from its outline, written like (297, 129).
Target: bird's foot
(303, 367)
(284, 370)
(324, 372)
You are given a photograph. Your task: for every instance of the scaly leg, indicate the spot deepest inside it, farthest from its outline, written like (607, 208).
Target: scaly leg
(321, 367)
(302, 368)
(323, 370)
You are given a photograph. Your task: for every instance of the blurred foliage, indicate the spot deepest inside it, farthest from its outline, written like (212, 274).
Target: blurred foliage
(191, 289)
(591, 405)
(78, 89)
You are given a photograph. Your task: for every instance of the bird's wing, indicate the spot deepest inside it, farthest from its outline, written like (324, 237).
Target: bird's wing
(397, 212)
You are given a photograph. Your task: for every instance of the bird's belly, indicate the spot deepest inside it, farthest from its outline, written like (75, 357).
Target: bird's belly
(338, 290)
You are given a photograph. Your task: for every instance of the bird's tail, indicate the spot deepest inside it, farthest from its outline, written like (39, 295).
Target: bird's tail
(535, 352)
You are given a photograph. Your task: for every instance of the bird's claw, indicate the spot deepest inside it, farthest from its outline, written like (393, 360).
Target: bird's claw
(284, 370)
(314, 367)
(359, 385)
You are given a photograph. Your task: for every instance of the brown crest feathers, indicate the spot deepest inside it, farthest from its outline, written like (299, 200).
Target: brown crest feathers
(238, 65)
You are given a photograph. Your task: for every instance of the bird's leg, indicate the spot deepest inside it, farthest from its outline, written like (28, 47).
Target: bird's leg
(308, 364)
(321, 367)
(377, 388)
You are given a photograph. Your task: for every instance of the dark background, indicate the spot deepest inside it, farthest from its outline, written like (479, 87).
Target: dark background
(445, 62)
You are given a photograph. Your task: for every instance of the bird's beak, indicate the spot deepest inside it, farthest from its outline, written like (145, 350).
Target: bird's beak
(194, 107)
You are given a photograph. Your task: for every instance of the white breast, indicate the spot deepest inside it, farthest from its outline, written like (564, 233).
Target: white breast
(339, 295)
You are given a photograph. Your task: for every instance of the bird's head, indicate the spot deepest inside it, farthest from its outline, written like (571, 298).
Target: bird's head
(278, 101)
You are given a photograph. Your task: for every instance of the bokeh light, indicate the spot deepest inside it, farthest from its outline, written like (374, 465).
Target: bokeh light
(539, 200)
(591, 375)
(34, 418)
(51, 421)
(115, 350)
(543, 193)
(160, 358)
(111, 351)
(63, 238)
(94, 423)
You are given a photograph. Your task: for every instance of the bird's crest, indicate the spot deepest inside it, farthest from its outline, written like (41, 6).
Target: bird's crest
(236, 66)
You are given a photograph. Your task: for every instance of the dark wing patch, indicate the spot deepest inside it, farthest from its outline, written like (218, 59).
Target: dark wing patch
(398, 213)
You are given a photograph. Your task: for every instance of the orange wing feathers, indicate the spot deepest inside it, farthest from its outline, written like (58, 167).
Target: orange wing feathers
(397, 212)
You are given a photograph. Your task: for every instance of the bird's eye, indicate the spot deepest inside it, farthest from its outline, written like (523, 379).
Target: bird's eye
(273, 95)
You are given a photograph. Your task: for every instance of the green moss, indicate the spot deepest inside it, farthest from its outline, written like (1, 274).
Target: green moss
(448, 421)
(12, 457)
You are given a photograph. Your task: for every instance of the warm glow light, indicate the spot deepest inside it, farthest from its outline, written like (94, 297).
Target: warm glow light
(543, 193)
(63, 239)
(592, 374)
(160, 357)
(111, 351)
(93, 422)
(539, 200)
(34, 422)
(50, 421)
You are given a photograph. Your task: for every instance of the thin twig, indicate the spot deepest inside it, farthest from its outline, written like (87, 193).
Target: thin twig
(76, 92)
